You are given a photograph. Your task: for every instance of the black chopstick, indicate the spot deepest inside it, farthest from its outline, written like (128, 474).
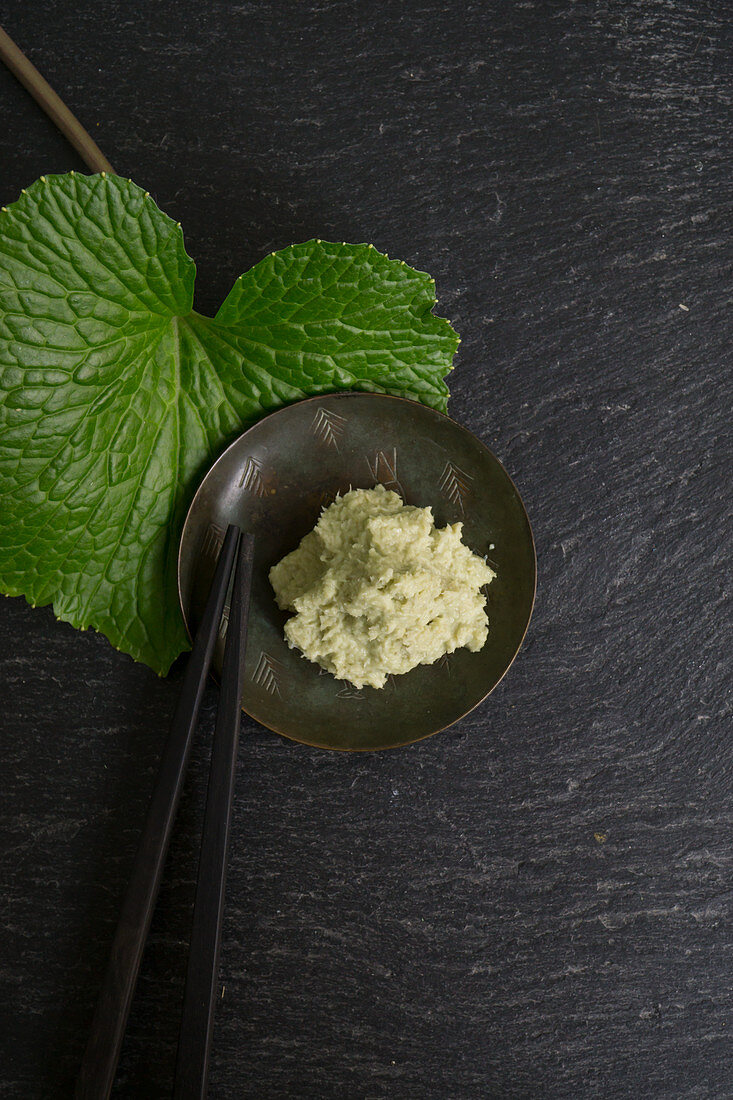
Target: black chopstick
(199, 1001)
(113, 1006)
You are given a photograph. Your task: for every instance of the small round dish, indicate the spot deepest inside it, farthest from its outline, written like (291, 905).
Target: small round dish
(275, 479)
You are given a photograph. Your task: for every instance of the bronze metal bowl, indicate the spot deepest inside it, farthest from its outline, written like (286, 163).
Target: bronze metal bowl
(275, 479)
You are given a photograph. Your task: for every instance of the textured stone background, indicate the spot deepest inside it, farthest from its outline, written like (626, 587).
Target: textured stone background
(536, 903)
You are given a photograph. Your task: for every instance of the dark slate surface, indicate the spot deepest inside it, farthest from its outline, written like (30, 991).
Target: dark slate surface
(537, 902)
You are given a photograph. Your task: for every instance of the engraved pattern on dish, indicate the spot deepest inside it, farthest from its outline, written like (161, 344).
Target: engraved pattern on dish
(268, 674)
(455, 485)
(252, 478)
(328, 427)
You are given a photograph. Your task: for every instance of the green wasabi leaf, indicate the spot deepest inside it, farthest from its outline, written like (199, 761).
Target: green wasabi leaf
(115, 394)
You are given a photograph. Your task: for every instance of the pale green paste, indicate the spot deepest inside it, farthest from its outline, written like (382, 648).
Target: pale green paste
(377, 589)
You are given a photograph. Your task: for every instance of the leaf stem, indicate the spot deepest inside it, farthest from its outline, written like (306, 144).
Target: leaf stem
(55, 108)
